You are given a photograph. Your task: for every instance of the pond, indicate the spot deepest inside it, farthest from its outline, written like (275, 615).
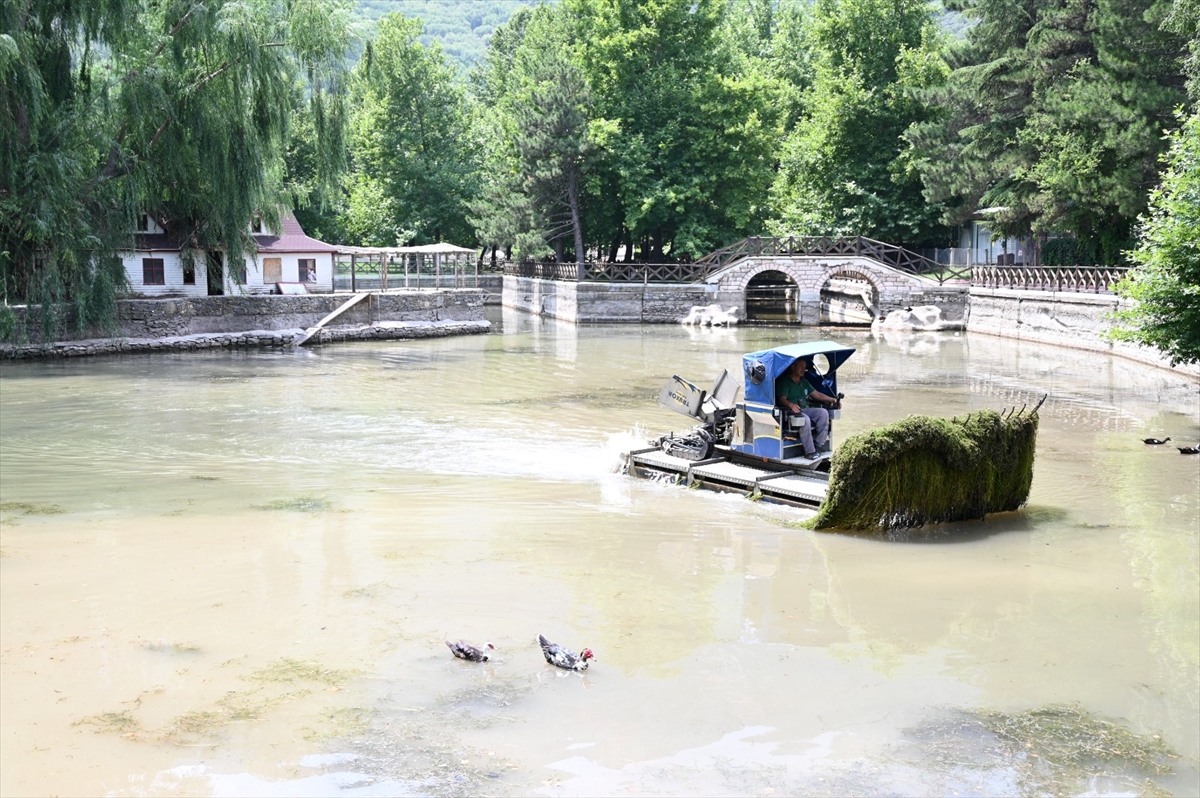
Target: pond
(232, 574)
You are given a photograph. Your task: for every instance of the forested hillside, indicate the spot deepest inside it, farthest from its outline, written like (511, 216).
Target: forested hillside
(461, 27)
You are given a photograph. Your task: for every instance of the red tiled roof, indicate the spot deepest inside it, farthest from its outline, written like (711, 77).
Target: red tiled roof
(292, 240)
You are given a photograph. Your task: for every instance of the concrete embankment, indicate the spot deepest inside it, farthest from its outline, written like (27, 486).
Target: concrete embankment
(250, 339)
(606, 303)
(1062, 318)
(254, 321)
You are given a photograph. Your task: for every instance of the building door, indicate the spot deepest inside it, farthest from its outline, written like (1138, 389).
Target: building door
(272, 271)
(216, 273)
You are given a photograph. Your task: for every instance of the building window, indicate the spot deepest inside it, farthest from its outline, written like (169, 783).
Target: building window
(143, 222)
(189, 273)
(152, 272)
(256, 224)
(308, 270)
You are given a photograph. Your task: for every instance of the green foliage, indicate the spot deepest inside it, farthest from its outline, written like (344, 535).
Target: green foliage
(690, 126)
(923, 470)
(178, 109)
(533, 200)
(1054, 112)
(842, 169)
(1184, 19)
(1166, 284)
(1068, 252)
(411, 143)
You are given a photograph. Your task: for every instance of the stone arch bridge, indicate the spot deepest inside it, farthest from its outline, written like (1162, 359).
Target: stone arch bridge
(818, 279)
(833, 279)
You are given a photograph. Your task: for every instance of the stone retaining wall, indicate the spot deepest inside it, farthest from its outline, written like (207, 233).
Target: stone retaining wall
(249, 339)
(583, 303)
(161, 318)
(1062, 318)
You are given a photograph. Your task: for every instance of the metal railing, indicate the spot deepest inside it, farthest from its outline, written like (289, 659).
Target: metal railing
(598, 272)
(756, 246)
(1081, 279)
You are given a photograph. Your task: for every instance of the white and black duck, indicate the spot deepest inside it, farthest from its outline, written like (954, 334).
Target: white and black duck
(464, 650)
(564, 657)
(1155, 441)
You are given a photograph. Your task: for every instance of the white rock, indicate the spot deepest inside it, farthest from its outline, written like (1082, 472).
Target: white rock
(710, 316)
(922, 317)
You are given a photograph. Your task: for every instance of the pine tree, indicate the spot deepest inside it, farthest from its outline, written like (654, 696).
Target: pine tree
(1166, 284)
(1054, 113)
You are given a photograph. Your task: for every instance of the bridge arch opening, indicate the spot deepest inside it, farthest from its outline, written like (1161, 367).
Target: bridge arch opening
(849, 296)
(772, 295)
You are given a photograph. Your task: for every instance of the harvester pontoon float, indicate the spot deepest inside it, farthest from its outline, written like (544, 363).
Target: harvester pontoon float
(748, 445)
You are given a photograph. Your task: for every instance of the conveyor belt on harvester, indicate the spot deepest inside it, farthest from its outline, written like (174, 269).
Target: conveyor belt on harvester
(792, 486)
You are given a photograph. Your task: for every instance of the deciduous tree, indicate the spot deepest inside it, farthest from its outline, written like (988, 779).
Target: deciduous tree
(1166, 283)
(843, 170)
(411, 135)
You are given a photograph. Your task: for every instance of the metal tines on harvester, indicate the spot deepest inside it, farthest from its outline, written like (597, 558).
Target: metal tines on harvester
(714, 409)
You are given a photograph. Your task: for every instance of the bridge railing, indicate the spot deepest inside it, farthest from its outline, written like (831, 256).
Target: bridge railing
(1081, 279)
(599, 272)
(889, 254)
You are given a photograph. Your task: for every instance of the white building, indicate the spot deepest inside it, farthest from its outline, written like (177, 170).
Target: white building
(156, 267)
(976, 242)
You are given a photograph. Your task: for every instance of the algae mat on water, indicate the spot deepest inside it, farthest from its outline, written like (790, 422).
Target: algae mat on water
(924, 470)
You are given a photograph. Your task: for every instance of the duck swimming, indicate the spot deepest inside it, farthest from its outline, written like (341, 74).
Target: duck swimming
(1154, 441)
(464, 650)
(1188, 449)
(565, 658)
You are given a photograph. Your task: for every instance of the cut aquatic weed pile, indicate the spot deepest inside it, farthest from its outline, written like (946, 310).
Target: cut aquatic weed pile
(925, 470)
(1064, 747)
(1055, 750)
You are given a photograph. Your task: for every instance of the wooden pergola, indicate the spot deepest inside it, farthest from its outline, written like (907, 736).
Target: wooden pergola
(409, 267)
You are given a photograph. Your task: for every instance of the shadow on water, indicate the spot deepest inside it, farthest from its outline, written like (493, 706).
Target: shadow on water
(1025, 520)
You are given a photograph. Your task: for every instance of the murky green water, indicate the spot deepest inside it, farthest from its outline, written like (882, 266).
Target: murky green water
(231, 573)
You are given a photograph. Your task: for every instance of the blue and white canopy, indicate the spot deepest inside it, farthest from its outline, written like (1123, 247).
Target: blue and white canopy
(776, 361)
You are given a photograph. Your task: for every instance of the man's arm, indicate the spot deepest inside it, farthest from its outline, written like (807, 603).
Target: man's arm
(784, 403)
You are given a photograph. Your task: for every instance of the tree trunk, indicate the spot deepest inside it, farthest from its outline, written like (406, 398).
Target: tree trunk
(614, 246)
(573, 201)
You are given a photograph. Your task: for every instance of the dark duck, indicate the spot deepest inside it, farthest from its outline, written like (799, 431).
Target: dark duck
(564, 657)
(1155, 441)
(464, 650)
(1188, 449)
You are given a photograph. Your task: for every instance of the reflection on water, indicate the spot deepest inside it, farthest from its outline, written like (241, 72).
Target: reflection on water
(218, 568)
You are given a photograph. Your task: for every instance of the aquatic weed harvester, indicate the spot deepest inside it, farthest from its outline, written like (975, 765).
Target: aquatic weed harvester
(916, 471)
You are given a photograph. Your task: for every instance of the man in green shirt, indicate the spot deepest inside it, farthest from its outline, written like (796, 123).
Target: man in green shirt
(792, 395)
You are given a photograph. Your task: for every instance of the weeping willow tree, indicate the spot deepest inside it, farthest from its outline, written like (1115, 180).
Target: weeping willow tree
(922, 470)
(179, 109)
